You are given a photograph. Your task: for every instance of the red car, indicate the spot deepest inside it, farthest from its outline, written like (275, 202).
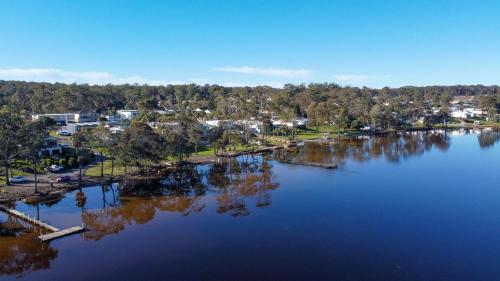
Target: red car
(63, 179)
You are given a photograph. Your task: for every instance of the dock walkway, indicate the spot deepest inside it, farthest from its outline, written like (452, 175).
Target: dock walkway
(54, 231)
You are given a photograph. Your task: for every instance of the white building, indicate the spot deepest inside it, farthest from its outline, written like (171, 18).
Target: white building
(65, 118)
(280, 123)
(466, 113)
(76, 127)
(128, 114)
(113, 119)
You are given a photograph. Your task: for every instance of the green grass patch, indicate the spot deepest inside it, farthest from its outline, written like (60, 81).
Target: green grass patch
(205, 151)
(95, 171)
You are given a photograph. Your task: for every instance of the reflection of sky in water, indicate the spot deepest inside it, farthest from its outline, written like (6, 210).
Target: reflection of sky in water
(431, 215)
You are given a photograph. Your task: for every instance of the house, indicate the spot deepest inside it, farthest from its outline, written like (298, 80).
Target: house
(50, 147)
(281, 123)
(66, 118)
(211, 123)
(76, 127)
(128, 114)
(156, 125)
(116, 129)
(117, 118)
(299, 122)
(466, 113)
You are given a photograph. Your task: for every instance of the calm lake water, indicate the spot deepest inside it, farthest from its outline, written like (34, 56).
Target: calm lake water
(414, 206)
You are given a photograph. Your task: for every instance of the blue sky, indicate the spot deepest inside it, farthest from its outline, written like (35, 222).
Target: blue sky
(238, 42)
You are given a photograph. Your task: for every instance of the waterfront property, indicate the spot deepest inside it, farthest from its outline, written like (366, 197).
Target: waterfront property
(50, 147)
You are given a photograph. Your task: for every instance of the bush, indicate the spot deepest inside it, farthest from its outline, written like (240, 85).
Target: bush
(355, 124)
(46, 162)
(86, 156)
(63, 162)
(72, 162)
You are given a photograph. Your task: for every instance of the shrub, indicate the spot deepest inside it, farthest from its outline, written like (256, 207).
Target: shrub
(72, 162)
(63, 162)
(46, 162)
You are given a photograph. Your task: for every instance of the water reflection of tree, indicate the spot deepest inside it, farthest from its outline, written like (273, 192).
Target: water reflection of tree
(232, 181)
(238, 180)
(488, 138)
(393, 146)
(20, 252)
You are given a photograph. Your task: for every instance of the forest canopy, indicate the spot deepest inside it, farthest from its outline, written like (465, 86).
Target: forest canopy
(34, 97)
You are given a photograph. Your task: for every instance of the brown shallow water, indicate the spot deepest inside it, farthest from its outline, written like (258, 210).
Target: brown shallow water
(412, 206)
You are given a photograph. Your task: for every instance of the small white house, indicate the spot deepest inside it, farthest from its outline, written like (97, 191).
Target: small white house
(280, 123)
(466, 113)
(301, 121)
(211, 123)
(128, 114)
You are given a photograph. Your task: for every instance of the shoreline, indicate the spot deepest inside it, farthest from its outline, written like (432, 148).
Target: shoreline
(47, 190)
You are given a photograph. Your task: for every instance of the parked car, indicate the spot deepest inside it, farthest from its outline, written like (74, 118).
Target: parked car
(56, 168)
(63, 133)
(18, 179)
(63, 179)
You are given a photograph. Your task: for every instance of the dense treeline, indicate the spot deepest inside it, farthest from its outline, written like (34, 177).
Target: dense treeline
(154, 137)
(34, 97)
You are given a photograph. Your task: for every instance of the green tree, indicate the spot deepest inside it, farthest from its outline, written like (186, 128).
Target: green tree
(100, 140)
(12, 138)
(141, 146)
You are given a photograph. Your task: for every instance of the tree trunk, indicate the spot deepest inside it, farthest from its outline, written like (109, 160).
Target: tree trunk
(79, 173)
(102, 165)
(36, 178)
(7, 181)
(112, 166)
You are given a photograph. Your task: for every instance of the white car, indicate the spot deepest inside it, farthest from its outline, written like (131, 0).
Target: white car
(17, 179)
(63, 133)
(56, 168)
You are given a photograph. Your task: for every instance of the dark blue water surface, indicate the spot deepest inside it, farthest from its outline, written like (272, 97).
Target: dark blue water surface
(413, 206)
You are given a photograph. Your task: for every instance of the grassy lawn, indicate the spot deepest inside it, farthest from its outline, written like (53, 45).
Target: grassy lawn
(204, 151)
(209, 151)
(309, 135)
(96, 170)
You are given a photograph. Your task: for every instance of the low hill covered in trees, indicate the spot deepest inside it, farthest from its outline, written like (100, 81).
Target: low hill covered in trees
(31, 97)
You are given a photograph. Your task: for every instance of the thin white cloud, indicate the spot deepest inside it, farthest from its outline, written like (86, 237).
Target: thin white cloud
(278, 72)
(359, 78)
(53, 75)
(241, 84)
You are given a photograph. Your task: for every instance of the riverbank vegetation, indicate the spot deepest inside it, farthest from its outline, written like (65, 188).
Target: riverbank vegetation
(171, 125)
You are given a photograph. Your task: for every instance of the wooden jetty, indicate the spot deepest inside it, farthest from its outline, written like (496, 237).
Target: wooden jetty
(311, 164)
(54, 231)
(61, 233)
